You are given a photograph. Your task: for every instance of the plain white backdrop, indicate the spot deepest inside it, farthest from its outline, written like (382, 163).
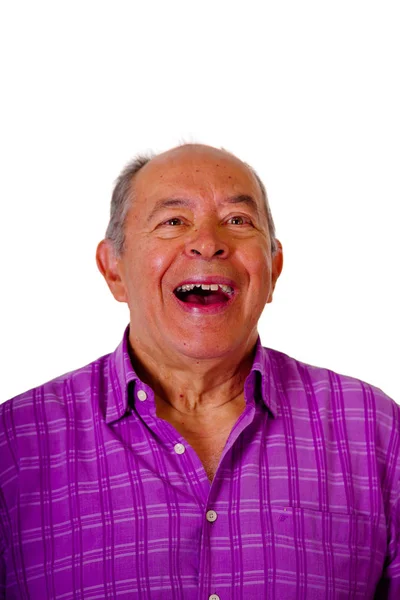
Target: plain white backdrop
(306, 92)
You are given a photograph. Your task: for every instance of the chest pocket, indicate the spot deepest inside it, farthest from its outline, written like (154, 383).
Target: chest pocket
(327, 554)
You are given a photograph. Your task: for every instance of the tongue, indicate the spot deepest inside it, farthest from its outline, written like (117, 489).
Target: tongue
(211, 298)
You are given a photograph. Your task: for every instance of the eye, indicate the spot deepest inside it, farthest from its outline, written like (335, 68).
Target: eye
(174, 222)
(239, 220)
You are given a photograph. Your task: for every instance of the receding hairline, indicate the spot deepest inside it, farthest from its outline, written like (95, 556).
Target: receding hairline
(195, 148)
(190, 149)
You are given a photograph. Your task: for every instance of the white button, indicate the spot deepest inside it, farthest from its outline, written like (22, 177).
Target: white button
(142, 395)
(214, 597)
(211, 516)
(179, 448)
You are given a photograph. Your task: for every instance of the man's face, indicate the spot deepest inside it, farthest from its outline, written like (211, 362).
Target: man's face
(197, 268)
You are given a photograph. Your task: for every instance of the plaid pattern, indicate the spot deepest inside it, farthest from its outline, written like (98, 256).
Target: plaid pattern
(96, 502)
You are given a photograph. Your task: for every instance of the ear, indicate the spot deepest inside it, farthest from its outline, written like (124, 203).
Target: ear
(110, 267)
(277, 265)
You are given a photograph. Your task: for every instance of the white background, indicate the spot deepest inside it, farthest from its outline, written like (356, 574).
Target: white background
(306, 92)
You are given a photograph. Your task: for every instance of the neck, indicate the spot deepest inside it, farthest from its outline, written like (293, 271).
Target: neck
(189, 385)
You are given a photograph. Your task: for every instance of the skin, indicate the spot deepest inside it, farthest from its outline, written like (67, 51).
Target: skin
(196, 361)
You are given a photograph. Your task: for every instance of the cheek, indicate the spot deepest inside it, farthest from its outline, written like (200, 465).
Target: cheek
(148, 259)
(158, 261)
(258, 265)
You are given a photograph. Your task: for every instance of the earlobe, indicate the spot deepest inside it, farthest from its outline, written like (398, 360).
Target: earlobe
(109, 266)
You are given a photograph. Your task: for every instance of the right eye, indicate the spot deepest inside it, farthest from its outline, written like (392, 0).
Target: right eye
(174, 222)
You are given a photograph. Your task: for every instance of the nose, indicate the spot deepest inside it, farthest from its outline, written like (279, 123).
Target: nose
(207, 243)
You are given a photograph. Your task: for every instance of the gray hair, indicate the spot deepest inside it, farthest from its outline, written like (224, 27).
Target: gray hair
(122, 197)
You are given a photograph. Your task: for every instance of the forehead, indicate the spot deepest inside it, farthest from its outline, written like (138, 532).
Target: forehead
(195, 172)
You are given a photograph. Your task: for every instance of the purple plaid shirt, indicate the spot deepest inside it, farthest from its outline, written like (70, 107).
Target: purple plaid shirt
(99, 498)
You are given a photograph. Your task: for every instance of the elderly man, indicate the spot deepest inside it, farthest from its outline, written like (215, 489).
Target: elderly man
(192, 463)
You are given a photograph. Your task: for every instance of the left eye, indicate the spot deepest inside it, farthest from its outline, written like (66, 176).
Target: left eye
(238, 220)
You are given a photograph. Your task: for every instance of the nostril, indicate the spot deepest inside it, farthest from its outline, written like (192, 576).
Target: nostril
(194, 251)
(219, 252)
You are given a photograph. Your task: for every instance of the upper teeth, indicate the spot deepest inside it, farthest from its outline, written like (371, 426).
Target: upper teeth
(205, 286)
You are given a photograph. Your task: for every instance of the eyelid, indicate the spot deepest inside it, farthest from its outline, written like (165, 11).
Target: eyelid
(165, 221)
(245, 218)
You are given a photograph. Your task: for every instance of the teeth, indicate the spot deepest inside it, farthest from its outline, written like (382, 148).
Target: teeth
(186, 288)
(204, 286)
(227, 289)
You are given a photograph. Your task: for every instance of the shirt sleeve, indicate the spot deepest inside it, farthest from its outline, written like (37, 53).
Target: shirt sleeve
(389, 585)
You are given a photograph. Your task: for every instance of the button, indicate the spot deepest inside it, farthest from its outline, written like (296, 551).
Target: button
(211, 516)
(179, 448)
(214, 597)
(141, 395)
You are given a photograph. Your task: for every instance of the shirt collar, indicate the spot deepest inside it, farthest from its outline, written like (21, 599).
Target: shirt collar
(261, 371)
(122, 373)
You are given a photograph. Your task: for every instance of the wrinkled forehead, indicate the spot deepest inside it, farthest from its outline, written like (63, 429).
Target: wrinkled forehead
(195, 171)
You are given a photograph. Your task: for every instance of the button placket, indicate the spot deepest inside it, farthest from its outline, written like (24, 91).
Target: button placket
(211, 516)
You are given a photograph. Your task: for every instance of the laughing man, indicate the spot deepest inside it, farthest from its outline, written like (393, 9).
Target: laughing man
(192, 463)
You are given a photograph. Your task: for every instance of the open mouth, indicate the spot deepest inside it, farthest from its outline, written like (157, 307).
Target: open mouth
(204, 294)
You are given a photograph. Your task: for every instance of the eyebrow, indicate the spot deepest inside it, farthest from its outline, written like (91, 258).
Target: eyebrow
(244, 199)
(167, 203)
(177, 202)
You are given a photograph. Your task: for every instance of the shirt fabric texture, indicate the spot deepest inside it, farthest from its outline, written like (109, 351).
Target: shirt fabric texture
(99, 498)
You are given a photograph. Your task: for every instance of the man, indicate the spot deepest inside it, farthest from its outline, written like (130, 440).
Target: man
(192, 463)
